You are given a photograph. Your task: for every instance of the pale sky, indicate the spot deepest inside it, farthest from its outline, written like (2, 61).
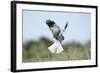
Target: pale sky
(34, 26)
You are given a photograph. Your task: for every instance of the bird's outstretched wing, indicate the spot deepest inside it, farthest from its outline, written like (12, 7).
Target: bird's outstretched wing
(53, 27)
(50, 23)
(66, 26)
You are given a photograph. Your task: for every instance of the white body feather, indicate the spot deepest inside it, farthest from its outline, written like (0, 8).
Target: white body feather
(56, 48)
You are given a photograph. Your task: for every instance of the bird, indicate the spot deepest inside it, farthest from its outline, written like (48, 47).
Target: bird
(56, 31)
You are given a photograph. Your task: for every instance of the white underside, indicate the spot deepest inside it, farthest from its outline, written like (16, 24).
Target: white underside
(56, 48)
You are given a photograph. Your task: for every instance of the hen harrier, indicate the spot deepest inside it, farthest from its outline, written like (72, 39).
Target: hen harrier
(56, 31)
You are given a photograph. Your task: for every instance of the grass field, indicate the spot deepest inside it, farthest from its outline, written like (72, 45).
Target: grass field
(37, 51)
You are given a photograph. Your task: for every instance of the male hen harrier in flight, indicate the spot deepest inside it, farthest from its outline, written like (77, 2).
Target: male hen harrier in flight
(56, 31)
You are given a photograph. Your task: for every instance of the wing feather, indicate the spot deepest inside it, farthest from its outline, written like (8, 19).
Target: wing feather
(66, 26)
(53, 27)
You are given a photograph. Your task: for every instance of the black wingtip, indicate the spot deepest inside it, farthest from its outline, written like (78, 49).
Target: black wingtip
(66, 25)
(50, 23)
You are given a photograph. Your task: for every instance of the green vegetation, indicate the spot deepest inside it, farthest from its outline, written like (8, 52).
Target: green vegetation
(37, 51)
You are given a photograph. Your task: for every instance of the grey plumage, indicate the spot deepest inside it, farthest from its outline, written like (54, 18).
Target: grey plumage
(57, 33)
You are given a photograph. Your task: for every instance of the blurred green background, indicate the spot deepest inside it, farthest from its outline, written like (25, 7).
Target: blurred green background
(37, 51)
